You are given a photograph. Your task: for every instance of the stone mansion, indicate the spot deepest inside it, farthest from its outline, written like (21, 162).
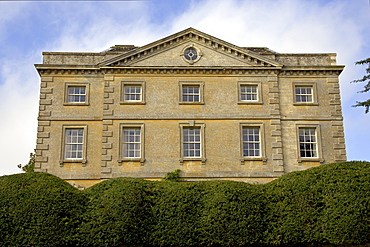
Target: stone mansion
(189, 101)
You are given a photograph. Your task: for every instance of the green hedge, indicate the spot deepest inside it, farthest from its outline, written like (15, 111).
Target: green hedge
(119, 212)
(176, 210)
(232, 214)
(329, 204)
(326, 205)
(39, 209)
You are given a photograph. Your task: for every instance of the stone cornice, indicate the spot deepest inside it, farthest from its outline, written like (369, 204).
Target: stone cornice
(311, 70)
(49, 69)
(281, 71)
(148, 117)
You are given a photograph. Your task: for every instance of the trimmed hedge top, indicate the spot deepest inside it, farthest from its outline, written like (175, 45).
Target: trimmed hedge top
(329, 204)
(39, 209)
(325, 205)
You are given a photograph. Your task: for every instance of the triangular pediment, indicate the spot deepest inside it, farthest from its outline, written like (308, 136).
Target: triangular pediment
(209, 51)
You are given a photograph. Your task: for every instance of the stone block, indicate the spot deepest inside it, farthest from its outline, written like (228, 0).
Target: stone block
(45, 102)
(47, 79)
(42, 146)
(337, 134)
(339, 146)
(107, 122)
(107, 157)
(108, 89)
(332, 80)
(46, 90)
(43, 134)
(44, 123)
(45, 114)
(108, 77)
(107, 145)
(107, 133)
(333, 91)
(108, 101)
(41, 159)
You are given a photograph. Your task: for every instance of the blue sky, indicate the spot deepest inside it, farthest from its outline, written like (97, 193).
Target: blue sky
(27, 28)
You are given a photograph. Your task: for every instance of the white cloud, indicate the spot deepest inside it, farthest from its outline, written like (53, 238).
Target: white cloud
(18, 108)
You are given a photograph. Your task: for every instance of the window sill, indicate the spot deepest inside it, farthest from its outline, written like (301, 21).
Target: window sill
(132, 103)
(250, 103)
(306, 104)
(300, 160)
(243, 159)
(203, 160)
(141, 160)
(82, 161)
(191, 103)
(75, 104)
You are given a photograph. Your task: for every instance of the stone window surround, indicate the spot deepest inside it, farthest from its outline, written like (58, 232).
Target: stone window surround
(140, 159)
(199, 84)
(133, 83)
(262, 157)
(76, 84)
(62, 152)
(202, 157)
(314, 93)
(259, 92)
(319, 157)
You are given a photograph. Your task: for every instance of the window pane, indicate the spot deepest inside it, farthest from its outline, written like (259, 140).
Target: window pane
(251, 141)
(190, 94)
(132, 93)
(74, 139)
(191, 143)
(76, 94)
(307, 142)
(248, 93)
(304, 94)
(131, 142)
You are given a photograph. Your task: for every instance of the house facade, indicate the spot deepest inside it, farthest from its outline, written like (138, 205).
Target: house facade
(189, 101)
